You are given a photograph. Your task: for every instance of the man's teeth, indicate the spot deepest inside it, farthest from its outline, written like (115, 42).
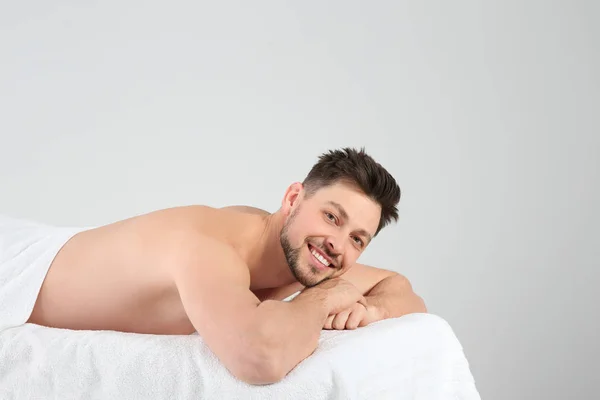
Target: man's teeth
(320, 258)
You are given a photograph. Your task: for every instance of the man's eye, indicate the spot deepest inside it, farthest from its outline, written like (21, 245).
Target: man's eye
(330, 217)
(358, 240)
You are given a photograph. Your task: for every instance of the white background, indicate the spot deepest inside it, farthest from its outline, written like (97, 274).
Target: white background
(487, 115)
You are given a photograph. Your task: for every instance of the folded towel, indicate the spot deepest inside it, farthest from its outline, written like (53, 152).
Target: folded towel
(26, 251)
(416, 356)
(413, 357)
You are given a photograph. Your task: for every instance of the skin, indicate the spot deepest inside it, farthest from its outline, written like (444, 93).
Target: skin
(179, 270)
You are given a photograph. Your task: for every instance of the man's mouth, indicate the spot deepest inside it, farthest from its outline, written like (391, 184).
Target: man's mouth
(320, 257)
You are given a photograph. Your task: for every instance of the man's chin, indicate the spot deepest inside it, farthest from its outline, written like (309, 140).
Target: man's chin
(310, 281)
(303, 279)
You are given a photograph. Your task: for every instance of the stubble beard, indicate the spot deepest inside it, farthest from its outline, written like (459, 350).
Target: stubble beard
(292, 257)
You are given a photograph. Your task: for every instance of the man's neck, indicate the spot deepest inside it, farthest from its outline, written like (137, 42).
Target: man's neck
(266, 260)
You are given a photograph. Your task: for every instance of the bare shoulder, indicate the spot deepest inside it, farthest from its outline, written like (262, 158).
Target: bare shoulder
(198, 255)
(185, 235)
(248, 209)
(179, 216)
(189, 241)
(200, 217)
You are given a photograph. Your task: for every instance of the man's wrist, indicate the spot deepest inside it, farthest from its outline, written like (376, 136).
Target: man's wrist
(376, 309)
(314, 298)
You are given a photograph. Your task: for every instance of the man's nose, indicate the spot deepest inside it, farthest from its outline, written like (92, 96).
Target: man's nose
(334, 245)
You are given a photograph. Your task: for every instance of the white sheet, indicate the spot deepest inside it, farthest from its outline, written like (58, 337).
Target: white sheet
(413, 357)
(27, 249)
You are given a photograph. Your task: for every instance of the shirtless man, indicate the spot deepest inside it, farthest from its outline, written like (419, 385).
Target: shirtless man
(223, 272)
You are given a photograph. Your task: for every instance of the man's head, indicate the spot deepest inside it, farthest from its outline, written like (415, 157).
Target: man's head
(332, 216)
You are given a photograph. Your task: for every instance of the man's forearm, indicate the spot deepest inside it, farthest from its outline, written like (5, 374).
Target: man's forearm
(292, 329)
(394, 297)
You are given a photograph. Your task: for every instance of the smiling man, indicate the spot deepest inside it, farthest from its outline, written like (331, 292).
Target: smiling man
(223, 272)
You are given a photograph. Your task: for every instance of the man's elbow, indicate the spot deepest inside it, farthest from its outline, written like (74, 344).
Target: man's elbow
(261, 377)
(259, 368)
(417, 302)
(421, 306)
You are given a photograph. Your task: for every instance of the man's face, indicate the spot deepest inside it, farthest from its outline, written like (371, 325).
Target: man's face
(324, 235)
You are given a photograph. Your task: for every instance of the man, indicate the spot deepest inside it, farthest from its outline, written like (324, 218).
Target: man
(223, 272)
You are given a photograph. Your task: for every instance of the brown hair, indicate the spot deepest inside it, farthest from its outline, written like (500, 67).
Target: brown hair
(357, 168)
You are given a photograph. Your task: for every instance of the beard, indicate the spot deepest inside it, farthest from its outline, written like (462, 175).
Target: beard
(292, 257)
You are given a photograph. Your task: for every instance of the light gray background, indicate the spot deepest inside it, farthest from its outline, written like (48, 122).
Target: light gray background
(486, 114)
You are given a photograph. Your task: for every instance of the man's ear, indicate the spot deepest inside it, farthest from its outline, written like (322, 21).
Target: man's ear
(292, 196)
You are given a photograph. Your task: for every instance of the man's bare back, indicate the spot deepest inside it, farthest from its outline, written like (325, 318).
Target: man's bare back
(116, 277)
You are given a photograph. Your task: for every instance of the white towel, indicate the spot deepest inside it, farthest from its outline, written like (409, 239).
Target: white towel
(27, 249)
(413, 357)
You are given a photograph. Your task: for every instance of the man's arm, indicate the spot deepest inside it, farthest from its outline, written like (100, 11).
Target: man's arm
(394, 297)
(388, 295)
(258, 343)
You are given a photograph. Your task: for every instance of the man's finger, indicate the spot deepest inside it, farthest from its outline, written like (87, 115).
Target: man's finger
(356, 317)
(328, 321)
(363, 301)
(339, 322)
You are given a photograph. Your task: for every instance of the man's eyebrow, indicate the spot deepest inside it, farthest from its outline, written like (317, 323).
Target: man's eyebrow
(344, 215)
(340, 209)
(365, 234)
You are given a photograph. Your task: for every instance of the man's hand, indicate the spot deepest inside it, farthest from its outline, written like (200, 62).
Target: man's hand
(389, 292)
(356, 316)
(338, 294)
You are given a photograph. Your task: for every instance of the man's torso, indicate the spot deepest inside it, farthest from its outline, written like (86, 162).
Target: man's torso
(116, 277)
